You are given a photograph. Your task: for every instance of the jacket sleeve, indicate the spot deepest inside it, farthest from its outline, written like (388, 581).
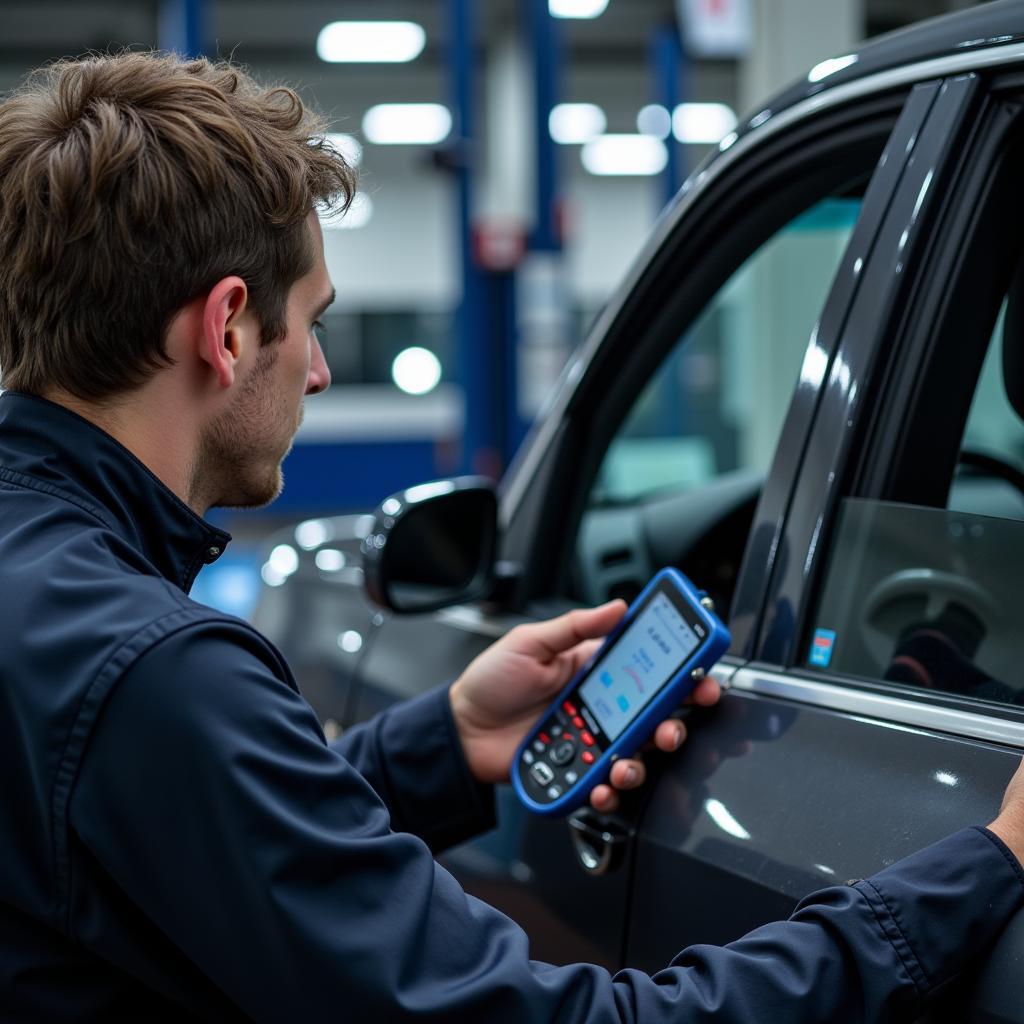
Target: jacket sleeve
(212, 802)
(412, 756)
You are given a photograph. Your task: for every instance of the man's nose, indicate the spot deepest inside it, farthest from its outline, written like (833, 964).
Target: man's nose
(319, 374)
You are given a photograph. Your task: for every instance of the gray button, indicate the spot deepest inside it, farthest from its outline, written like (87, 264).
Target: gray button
(562, 752)
(538, 745)
(570, 777)
(554, 792)
(542, 773)
(527, 757)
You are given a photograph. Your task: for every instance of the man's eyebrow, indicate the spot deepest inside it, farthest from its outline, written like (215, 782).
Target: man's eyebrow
(329, 301)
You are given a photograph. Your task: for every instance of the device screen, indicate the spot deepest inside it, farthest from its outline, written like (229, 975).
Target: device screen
(644, 657)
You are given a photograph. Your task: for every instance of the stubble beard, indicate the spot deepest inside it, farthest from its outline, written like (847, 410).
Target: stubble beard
(240, 456)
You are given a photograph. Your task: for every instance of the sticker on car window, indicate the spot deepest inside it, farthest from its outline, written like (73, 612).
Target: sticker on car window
(821, 647)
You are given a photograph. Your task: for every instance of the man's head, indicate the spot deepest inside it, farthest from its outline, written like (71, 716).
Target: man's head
(136, 189)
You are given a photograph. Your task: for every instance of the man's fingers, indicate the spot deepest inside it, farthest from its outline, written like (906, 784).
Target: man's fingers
(604, 799)
(627, 773)
(706, 693)
(669, 735)
(552, 637)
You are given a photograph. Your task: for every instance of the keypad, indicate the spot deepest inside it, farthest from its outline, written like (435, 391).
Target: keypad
(561, 753)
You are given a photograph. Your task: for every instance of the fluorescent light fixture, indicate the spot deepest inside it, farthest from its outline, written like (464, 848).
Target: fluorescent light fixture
(347, 145)
(830, 67)
(625, 154)
(407, 124)
(654, 119)
(575, 123)
(357, 215)
(702, 122)
(416, 370)
(576, 8)
(370, 42)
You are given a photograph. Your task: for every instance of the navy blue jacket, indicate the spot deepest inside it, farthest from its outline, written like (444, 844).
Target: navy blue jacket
(179, 842)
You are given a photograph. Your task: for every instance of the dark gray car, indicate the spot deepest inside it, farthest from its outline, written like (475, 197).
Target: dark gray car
(809, 396)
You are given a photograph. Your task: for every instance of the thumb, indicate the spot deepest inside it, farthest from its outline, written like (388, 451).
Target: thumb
(552, 637)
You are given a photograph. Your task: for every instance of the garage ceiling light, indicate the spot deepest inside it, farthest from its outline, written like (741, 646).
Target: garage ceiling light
(370, 42)
(625, 154)
(576, 8)
(407, 124)
(416, 370)
(575, 123)
(705, 123)
(654, 119)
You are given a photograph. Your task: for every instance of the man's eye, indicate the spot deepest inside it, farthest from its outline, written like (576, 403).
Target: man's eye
(320, 331)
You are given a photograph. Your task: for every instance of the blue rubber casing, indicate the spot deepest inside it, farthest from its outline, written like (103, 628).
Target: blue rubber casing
(530, 790)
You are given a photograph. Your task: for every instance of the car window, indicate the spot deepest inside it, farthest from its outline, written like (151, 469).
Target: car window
(689, 457)
(717, 402)
(928, 596)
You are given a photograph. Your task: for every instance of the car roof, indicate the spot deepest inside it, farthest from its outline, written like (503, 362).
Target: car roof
(999, 23)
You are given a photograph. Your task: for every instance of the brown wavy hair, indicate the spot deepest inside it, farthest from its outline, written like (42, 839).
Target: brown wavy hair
(129, 185)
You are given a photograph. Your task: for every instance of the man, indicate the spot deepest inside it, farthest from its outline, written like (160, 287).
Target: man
(178, 840)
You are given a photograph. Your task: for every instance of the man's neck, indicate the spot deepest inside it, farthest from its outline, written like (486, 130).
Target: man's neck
(160, 443)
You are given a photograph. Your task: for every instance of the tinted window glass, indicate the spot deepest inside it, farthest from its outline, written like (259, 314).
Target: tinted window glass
(930, 597)
(717, 403)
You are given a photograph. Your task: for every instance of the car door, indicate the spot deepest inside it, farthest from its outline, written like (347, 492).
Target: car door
(882, 705)
(793, 203)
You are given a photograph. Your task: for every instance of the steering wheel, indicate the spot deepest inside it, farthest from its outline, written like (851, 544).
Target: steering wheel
(992, 465)
(917, 595)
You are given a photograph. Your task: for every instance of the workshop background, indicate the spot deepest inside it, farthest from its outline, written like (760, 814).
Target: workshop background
(513, 156)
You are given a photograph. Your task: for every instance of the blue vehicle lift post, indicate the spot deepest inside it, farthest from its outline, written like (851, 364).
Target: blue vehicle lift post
(668, 61)
(182, 27)
(476, 345)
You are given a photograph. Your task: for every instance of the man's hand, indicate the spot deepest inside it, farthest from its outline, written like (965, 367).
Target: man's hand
(503, 692)
(1009, 826)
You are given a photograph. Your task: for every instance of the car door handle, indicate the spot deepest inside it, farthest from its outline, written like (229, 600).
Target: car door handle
(599, 845)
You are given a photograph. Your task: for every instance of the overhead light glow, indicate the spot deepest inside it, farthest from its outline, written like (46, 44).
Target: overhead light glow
(358, 215)
(830, 67)
(312, 533)
(283, 561)
(576, 123)
(330, 559)
(347, 145)
(407, 124)
(416, 370)
(702, 123)
(625, 154)
(370, 42)
(576, 8)
(654, 119)
(350, 641)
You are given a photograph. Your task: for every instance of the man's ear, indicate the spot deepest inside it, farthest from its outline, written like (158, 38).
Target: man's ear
(224, 334)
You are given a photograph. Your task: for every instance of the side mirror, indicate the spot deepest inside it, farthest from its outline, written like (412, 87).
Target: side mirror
(433, 546)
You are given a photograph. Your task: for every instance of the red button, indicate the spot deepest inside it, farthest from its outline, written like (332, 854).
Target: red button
(570, 708)
(588, 757)
(545, 738)
(587, 738)
(578, 722)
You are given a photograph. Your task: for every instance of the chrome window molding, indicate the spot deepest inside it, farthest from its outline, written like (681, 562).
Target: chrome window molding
(765, 682)
(878, 706)
(523, 468)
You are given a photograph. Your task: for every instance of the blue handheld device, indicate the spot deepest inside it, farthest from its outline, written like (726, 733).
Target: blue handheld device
(666, 642)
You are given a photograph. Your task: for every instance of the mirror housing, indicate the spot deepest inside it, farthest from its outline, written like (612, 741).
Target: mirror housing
(433, 545)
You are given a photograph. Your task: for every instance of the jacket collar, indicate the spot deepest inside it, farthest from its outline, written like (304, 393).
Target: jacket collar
(73, 457)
